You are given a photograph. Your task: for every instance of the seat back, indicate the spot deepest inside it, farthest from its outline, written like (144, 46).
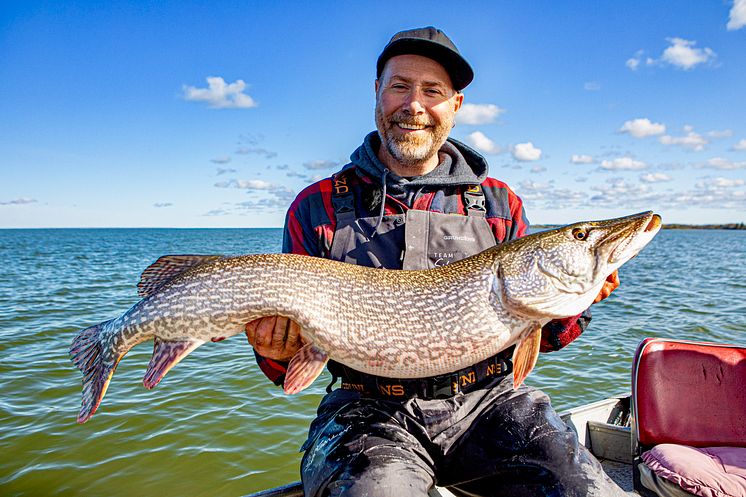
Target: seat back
(690, 393)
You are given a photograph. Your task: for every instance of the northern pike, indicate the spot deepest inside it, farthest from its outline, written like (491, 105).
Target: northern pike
(391, 323)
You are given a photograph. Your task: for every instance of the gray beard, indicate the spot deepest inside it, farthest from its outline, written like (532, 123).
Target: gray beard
(411, 151)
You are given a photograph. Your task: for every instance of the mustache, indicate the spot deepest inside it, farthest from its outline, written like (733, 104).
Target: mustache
(404, 119)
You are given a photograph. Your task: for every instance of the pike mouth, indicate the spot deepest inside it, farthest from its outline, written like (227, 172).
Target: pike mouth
(637, 235)
(654, 223)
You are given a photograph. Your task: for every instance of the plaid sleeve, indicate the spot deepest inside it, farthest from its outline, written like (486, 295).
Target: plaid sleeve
(558, 333)
(274, 370)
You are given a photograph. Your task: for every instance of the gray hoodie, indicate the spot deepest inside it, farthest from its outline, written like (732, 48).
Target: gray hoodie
(459, 165)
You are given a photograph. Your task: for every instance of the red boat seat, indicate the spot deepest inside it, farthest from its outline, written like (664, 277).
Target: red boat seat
(691, 394)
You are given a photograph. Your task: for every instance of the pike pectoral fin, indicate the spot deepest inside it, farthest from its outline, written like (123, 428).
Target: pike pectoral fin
(525, 355)
(305, 366)
(166, 354)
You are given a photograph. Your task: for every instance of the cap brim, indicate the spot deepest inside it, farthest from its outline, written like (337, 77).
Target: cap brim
(456, 66)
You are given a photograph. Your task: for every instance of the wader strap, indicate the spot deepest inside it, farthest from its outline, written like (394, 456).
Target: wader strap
(474, 201)
(343, 201)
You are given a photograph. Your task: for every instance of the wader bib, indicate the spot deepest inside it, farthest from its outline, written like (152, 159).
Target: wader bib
(430, 239)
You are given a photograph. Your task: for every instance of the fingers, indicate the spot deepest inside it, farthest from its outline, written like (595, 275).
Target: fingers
(294, 340)
(274, 337)
(280, 333)
(611, 284)
(259, 331)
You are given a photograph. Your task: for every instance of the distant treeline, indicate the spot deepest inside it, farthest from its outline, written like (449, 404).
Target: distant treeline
(730, 226)
(670, 226)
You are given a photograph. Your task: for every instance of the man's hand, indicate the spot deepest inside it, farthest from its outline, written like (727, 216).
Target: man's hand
(274, 337)
(611, 284)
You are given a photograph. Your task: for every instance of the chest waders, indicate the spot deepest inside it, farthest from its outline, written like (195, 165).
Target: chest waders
(414, 239)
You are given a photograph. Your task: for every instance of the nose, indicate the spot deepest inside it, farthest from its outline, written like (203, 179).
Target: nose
(412, 103)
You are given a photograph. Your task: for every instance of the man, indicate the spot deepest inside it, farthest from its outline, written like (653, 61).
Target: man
(412, 198)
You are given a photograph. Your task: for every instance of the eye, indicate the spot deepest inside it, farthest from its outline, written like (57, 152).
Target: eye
(580, 233)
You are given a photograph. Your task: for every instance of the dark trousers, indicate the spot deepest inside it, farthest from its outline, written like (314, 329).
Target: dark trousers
(492, 441)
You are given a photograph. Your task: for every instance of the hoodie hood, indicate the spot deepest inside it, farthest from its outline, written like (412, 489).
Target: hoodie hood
(459, 165)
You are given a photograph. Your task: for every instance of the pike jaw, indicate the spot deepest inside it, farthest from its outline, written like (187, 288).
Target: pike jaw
(558, 273)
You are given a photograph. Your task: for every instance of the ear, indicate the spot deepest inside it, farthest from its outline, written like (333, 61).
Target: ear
(378, 84)
(458, 100)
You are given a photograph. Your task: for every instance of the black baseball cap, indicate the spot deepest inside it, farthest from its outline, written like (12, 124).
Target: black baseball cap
(432, 43)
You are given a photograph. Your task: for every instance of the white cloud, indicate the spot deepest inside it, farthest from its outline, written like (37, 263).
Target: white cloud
(19, 201)
(634, 62)
(219, 95)
(526, 152)
(320, 164)
(538, 169)
(724, 133)
(475, 114)
(246, 184)
(691, 140)
(265, 204)
(257, 151)
(741, 145)
(221, 170)
(216, 212)
(737, 17)
(162, 204)
(724, 164)
(221, 160)
(681, 53)
(623, 164)
(582, 159)
(642, 127)
(654, 177)
(547, 196)
(720, 182)
(480, 141)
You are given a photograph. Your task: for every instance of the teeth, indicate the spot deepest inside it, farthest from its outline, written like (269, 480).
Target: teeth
(411, 126)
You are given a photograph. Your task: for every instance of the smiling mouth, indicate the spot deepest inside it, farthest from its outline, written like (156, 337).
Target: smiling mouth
(412, 127)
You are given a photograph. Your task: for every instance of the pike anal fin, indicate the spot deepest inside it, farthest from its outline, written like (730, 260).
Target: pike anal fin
(305, 366)
(166, 355)
(525, 355)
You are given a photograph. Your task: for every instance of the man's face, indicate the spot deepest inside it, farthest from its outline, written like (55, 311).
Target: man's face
(415, 108)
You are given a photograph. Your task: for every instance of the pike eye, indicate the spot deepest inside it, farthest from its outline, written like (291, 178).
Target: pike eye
(580, 233)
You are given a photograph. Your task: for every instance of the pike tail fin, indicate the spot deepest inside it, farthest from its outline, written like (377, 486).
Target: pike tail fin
(97, 363)
(525, 355)
(305, 366)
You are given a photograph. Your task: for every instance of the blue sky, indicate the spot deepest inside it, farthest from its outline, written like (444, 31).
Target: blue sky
(199, 114)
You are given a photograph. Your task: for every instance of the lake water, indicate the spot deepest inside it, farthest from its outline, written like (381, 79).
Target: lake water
(215, 426)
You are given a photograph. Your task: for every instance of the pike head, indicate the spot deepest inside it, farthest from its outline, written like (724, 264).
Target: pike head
(558, 273)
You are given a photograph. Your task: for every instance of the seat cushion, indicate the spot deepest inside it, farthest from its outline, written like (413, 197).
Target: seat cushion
(707, 472)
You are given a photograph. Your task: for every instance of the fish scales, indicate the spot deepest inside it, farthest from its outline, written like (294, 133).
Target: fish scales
(400, 324)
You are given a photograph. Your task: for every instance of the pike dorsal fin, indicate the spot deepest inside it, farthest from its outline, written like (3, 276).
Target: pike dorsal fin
(166, 268)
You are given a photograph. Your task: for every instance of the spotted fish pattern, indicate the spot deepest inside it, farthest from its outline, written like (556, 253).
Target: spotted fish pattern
(400, 324)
